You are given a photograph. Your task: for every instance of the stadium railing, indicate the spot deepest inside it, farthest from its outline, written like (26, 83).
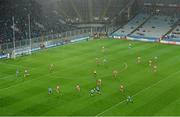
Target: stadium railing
(22, 47)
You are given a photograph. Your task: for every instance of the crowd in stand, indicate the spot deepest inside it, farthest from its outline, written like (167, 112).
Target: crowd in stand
(20, 9)
(47, 18)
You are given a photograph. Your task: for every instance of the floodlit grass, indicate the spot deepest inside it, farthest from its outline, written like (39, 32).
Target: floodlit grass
(153, 93)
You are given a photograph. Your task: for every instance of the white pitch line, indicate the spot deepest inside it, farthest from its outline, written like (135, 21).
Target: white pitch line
(11, 64)
(126, 66)
(7, 77)
(136, 94)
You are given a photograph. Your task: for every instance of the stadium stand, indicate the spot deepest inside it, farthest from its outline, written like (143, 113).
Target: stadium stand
(174, 35)
(132, 25)
(88, 11)
(53, 20)
(166, 2)
(65, 15)
(40, 24)
(156, 27)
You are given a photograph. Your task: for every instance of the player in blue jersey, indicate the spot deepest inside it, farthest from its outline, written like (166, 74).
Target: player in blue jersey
(98, 90)
(104, 61)
(92, 91)
(50, 91)
(17, 72)
(129, 99)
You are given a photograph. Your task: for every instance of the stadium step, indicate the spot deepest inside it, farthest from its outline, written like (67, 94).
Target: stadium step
(173, 27)
(141, 24)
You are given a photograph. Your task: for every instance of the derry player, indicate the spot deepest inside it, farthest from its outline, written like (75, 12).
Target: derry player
(58, 89)
(98, 82)
(150, 63)
(78, 89)
(51, 67)
(121, 88)
(138, 59)
(103, 49)
(155, 68)
(115, 73)
(155, 59)
(97, 61)
(130, 45)
(95, 73)
(26, 73)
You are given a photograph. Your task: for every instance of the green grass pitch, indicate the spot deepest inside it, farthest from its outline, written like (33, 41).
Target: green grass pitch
(153, 93)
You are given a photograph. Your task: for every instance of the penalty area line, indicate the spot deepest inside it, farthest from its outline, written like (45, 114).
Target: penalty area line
(138, 93)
